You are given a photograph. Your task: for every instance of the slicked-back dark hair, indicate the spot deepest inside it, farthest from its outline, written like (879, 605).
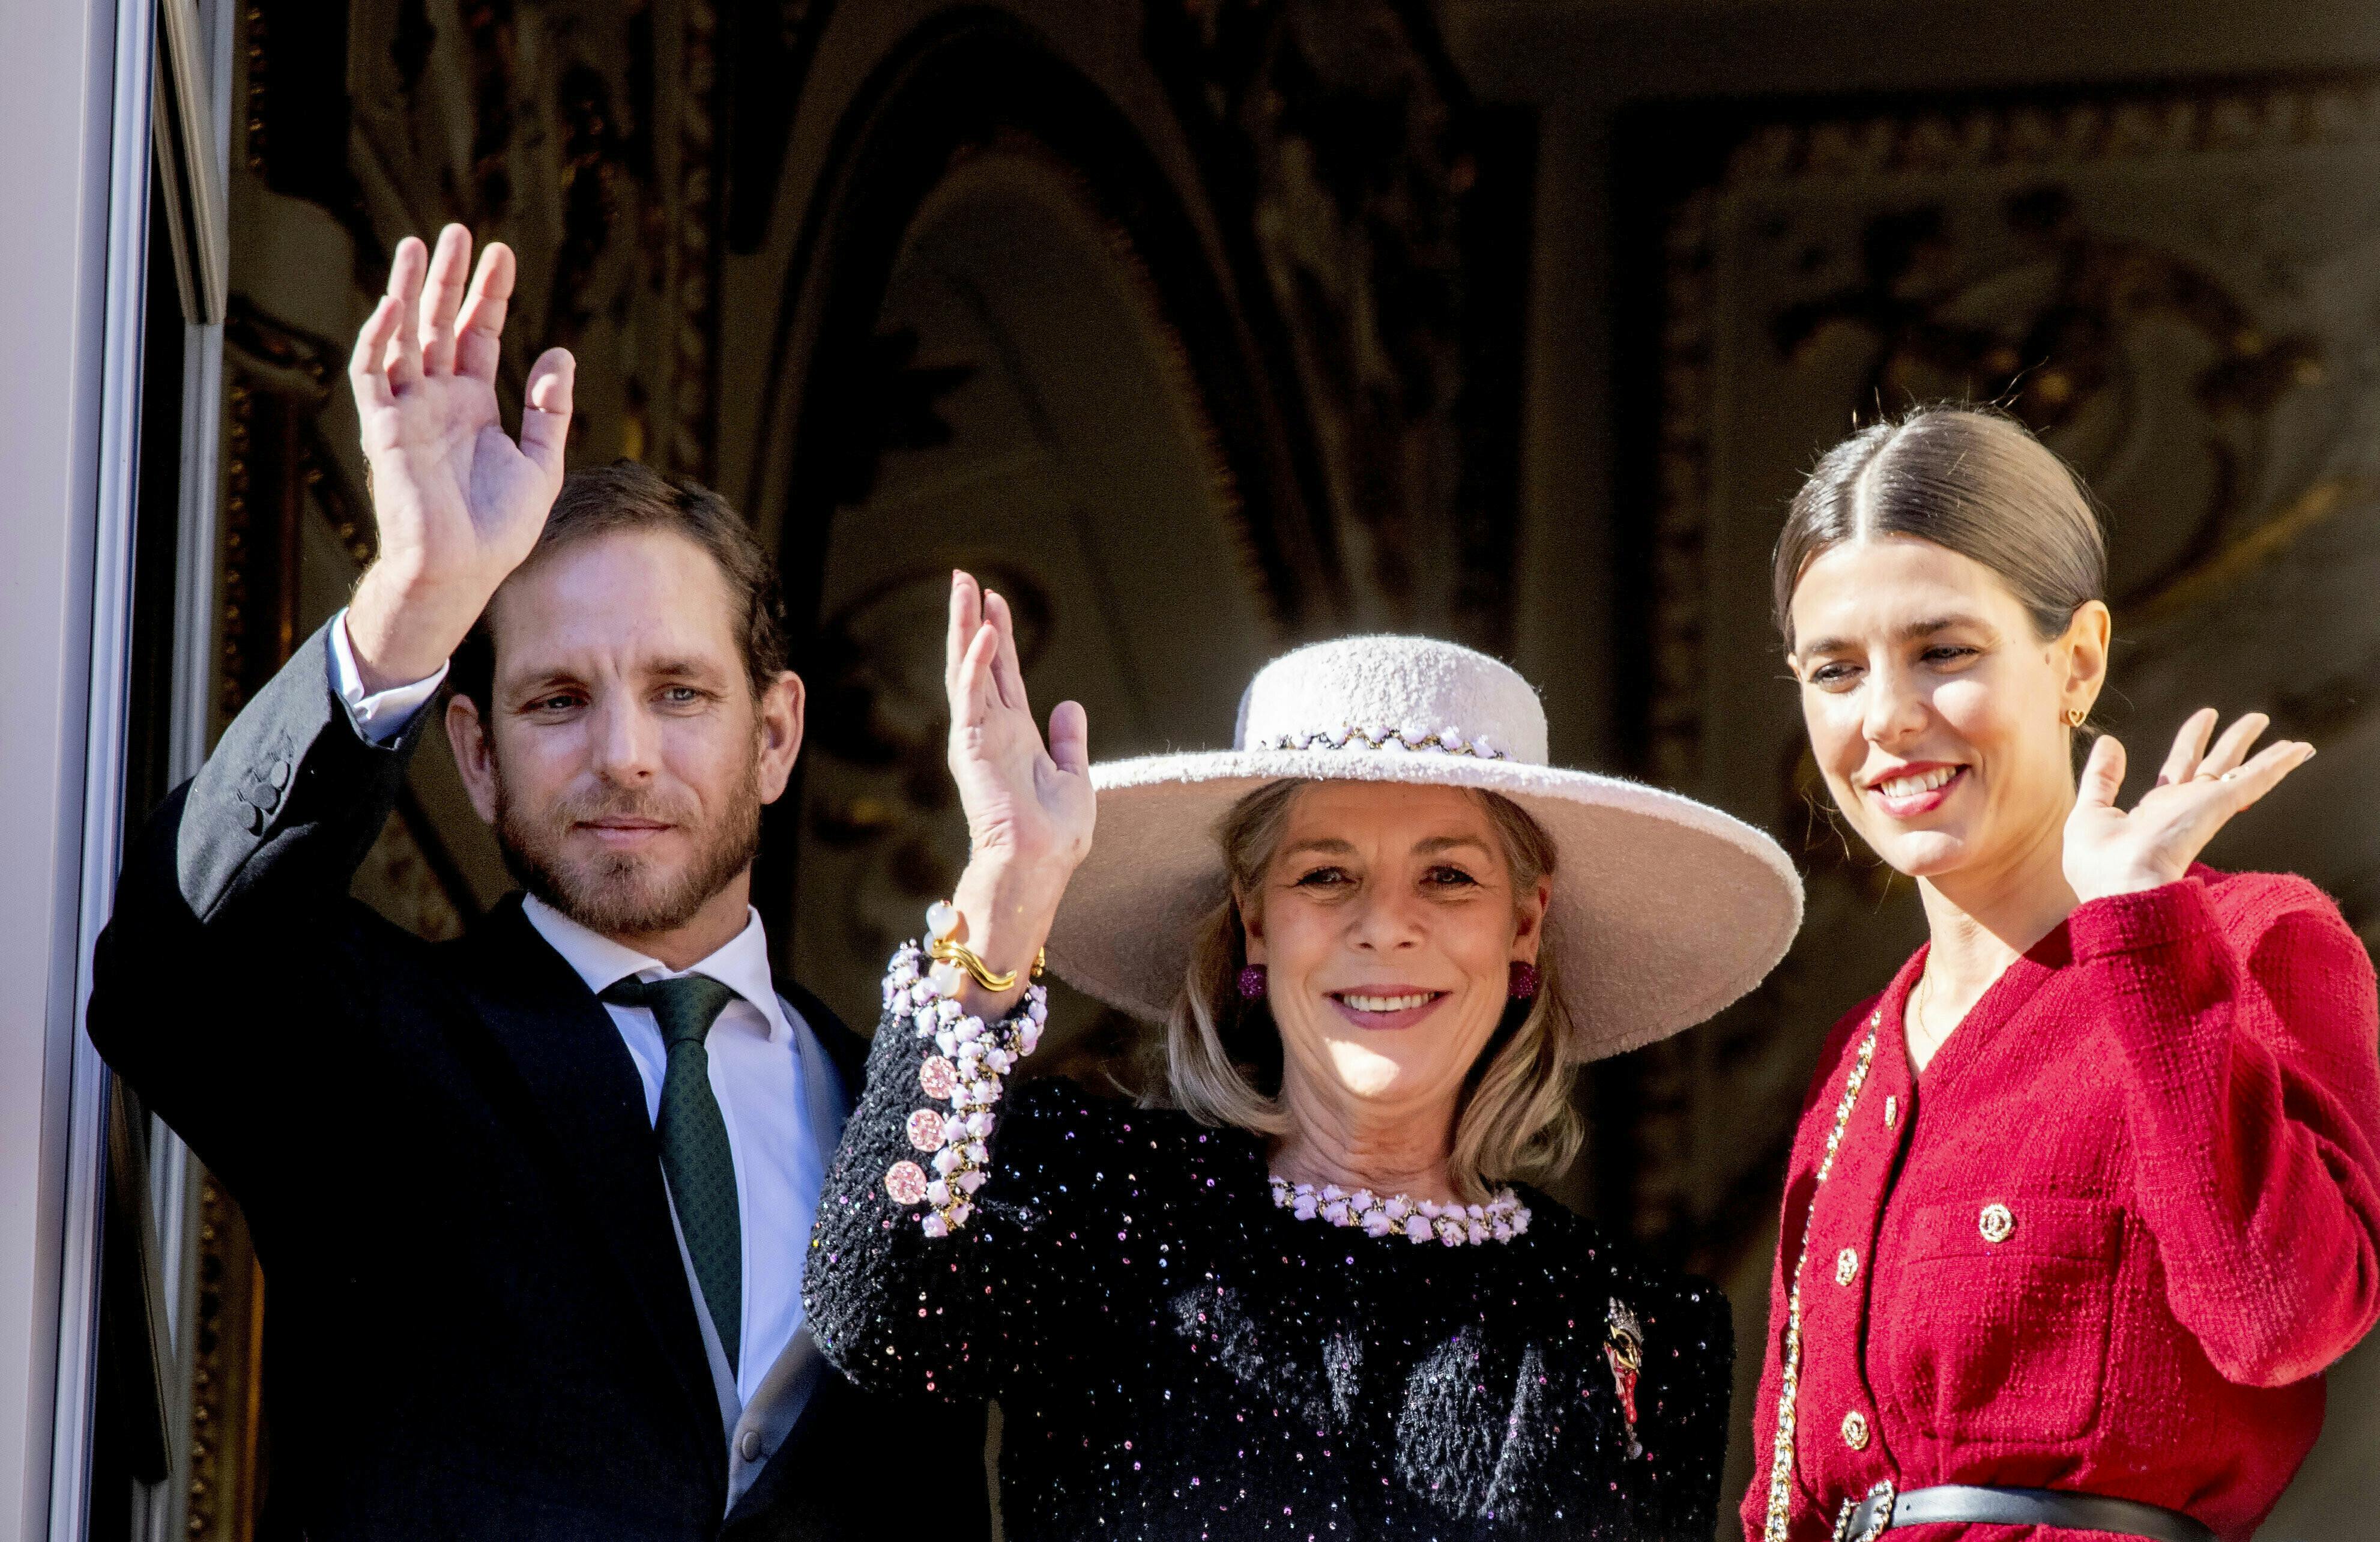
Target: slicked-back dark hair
(1967, 479)
(627, 496)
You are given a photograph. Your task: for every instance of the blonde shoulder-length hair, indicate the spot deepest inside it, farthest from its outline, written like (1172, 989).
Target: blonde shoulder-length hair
(1223, 1056)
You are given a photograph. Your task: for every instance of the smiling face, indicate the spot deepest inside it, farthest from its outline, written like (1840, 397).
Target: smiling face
(626, 757)
(1935, 709)
(1387, 923)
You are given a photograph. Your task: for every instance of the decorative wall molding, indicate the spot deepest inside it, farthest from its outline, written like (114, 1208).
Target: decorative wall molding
(1377, 220)
(999, 297)
(226, 1409)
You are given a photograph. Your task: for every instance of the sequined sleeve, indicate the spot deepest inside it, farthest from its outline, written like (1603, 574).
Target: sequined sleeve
(1688, 1383)
(917, 1262)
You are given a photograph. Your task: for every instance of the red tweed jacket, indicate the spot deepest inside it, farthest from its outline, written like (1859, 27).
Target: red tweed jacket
(2111, 1240)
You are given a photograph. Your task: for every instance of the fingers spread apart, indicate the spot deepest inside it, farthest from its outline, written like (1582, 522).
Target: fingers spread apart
(975, 695)
(2231, 749)
(966, 614)
(478, 344)
(545, 415)
(2189, 743)
(2253, 780)
(441, 300)
(1008, 673)
(367, 366)
(400, 360)
(2102, 774)
(1070, 738)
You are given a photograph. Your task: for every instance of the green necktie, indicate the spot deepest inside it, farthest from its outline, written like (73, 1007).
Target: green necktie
(696, 1158)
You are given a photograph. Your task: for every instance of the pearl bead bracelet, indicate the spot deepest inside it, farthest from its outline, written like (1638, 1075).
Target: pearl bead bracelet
(968, 1071)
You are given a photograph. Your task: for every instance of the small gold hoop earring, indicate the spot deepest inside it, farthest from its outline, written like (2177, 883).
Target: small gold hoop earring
(2074, 716)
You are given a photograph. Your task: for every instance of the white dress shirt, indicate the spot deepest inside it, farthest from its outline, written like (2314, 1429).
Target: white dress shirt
(382, 716)
(756, 1074)
(757, 1063)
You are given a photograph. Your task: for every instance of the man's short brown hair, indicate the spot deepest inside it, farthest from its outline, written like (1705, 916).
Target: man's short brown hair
(625, 495)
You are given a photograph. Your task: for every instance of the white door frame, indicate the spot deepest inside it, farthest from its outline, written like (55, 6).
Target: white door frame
(75, 109)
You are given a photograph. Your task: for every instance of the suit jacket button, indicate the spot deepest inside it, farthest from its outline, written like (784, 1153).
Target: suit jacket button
(1996, 1223)
(279, 774)
(255, 820)
(1856, 1430)
(749, 1445)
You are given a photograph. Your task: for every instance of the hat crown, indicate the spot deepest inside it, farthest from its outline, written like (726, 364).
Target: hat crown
(1393, 694)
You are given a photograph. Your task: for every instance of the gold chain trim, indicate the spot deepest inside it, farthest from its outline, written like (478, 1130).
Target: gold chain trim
(1780, 1458)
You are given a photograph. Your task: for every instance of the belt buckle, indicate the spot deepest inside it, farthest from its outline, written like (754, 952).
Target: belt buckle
(1880, 1501)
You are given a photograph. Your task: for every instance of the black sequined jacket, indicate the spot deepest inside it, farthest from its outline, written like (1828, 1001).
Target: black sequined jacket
(1177, 1357)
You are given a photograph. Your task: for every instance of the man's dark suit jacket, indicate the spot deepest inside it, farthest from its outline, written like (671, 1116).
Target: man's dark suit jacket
(480, 1317)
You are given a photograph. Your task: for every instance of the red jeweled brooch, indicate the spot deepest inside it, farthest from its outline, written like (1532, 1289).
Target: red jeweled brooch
(1624, 1345)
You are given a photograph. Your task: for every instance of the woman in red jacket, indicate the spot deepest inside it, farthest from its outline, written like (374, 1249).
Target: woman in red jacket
(2082, 1206)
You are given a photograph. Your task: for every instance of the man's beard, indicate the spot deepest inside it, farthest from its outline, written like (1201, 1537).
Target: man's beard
(628, 894)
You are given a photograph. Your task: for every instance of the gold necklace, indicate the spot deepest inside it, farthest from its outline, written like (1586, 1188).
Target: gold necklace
(1781, 1457)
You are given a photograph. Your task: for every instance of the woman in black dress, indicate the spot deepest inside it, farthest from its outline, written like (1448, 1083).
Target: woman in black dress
(1317, 1299)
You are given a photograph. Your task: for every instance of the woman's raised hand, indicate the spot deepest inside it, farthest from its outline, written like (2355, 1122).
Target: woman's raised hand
(1029, 808)
(1022, 801)
(2117, 851)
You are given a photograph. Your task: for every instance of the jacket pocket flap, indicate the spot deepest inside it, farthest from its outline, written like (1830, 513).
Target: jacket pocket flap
(2034, 1225)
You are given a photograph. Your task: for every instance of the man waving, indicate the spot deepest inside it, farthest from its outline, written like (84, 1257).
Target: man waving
(532, 1207)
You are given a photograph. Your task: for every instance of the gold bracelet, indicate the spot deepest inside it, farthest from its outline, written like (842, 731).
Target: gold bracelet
(943, 924)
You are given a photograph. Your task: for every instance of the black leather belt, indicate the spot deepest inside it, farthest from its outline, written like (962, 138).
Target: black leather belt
(1883, 1510)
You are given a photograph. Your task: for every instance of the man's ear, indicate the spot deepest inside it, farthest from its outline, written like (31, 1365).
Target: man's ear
(782, 706)
(475, 756)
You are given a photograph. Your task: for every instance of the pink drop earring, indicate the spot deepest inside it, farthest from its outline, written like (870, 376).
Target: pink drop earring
(1251, 983)
(1524, 982)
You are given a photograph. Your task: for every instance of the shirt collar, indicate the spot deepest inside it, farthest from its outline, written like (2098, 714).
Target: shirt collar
(742, 965)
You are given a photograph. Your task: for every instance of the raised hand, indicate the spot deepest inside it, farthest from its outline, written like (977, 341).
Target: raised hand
(1029, 808)
(1022, 801)
(459, 504)
(2117, 851)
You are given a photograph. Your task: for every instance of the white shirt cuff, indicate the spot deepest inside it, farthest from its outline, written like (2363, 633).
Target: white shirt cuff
(383, 715)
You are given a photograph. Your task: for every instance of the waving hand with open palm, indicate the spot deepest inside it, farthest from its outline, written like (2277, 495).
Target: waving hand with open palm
(2119, 851)
(1029, 806)
(459, 501)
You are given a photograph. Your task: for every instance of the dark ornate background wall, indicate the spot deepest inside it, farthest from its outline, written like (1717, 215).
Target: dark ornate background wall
(1207, 326)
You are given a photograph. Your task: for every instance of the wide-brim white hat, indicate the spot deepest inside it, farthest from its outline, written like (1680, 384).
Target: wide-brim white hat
(1664, 910)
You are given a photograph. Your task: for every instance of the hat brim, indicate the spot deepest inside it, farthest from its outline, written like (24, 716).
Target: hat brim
(1664, 910)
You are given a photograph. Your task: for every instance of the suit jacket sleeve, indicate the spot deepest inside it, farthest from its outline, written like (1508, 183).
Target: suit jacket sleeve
(236, 962)
(2253, 1095)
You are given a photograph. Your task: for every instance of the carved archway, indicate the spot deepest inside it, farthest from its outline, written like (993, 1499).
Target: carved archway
(1002, 347)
